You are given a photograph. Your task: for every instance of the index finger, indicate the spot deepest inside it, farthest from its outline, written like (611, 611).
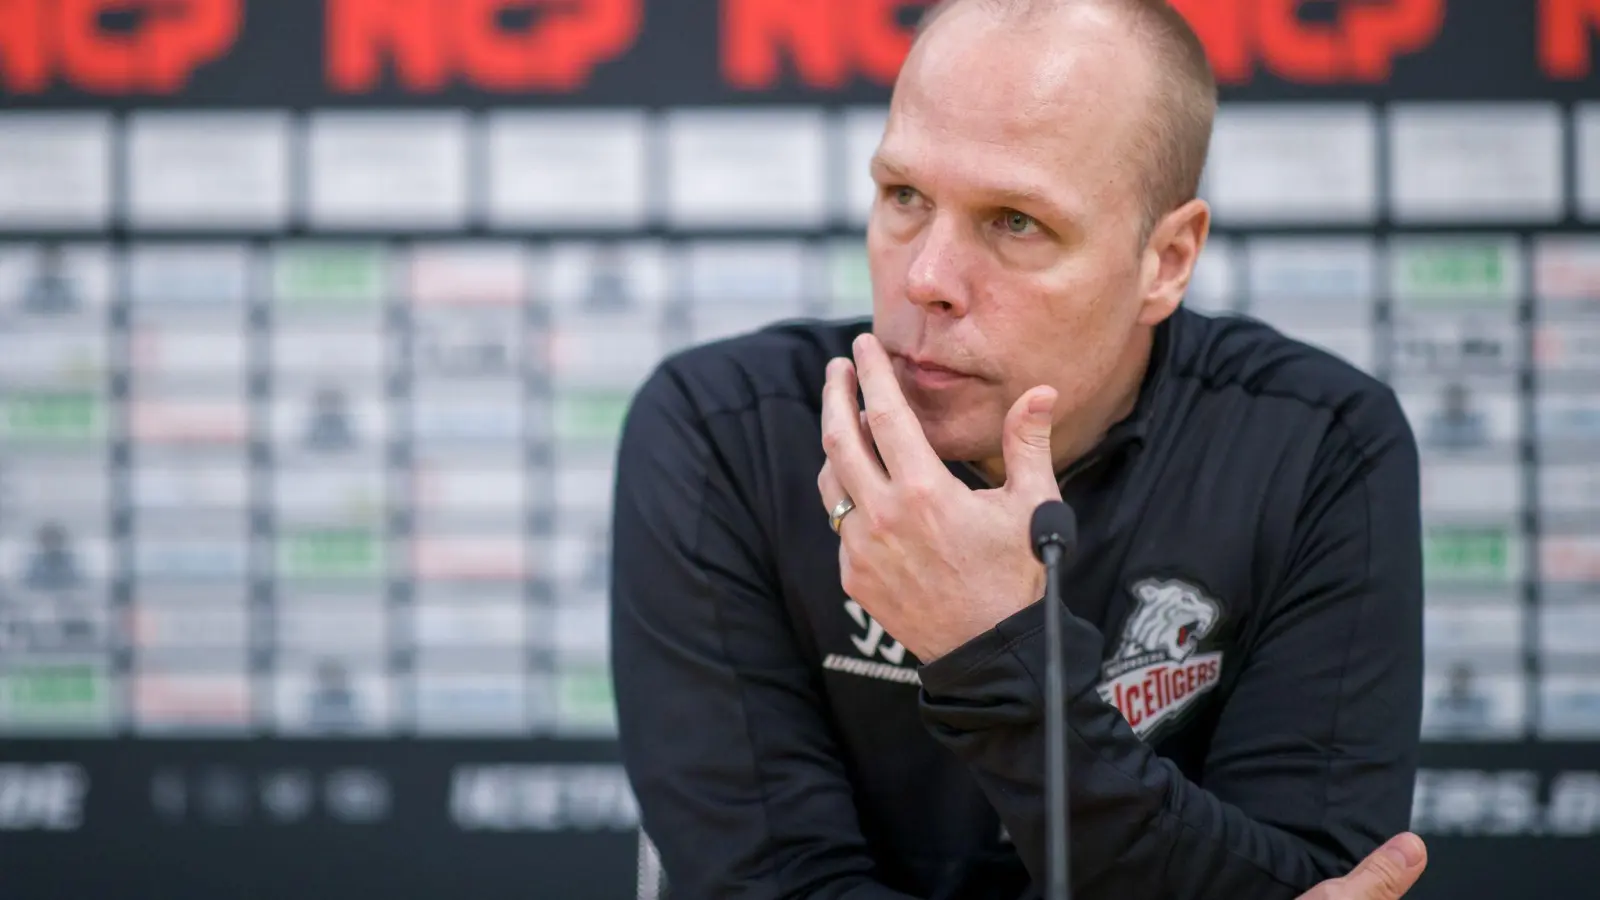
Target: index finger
(843, 439)
(895, 429)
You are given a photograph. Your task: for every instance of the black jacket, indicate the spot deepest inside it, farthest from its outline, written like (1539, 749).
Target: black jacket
(1247, 591)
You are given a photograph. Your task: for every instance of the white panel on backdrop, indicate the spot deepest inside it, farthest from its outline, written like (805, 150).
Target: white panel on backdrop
(860, 131)
(1216, 284)
(333, 697)
(1566, 276)
(207, 485)
(390, 171)
(55, 287)
(177, 700)
(1565, 421)
(1483, 632)
(745, 167)
(208, 169)
(465, 276)
(568, 169)
(774, 275)
(302, 356)
(1455, 418)
(1571, 629)
(1306, 163)
(454, 556)
(456, 703)
(486, 414)
(192, 420)
(1464, 704)
(1588, 163)
(1569, 706)
(190, 283)
(612, 281)
(311, 626)
(442, 621)
(31, 489)
(347, 495)
(189, 555)
(330, 420)
(62, 361)
(1333, 279)
(1477, 162)
(592, 355)
(55, 170)
(1452, 488)
(156, 623)
(46, 554)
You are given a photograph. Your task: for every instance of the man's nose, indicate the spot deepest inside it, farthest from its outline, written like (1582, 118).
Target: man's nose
(936, 281)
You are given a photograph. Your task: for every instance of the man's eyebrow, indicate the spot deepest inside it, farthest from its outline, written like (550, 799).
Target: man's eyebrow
(888, 171)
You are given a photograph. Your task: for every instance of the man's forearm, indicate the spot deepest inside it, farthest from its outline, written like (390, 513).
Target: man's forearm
(1139, 827)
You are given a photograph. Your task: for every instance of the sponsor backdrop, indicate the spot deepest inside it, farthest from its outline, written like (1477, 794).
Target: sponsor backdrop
(318, 319)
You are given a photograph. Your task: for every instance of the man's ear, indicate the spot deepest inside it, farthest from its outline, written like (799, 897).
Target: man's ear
(1169, 259)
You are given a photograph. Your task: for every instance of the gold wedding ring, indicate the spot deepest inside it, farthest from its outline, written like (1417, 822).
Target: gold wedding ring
(840, 510)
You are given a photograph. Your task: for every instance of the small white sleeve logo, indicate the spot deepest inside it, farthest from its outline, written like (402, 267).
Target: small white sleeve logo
(875, 643)
(876, 640)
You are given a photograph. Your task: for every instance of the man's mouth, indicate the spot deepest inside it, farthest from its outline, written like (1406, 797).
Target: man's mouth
(929, 375)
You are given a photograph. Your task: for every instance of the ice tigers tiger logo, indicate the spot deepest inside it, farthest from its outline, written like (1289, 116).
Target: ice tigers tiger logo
(1172, 616)
(1158, 670)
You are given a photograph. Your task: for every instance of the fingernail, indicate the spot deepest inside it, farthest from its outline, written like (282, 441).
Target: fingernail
(1406, 850)
(859, 342)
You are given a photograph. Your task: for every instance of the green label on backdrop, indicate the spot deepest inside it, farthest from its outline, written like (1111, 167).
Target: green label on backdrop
(590, 414)
(331, 553)
(52, 417)
(1483, 270)
(851, 280)
(55, 695)
(1482, 553)
(585, 703)
(335, 278)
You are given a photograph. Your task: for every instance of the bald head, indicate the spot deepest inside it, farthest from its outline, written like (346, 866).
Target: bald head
(1174, 133)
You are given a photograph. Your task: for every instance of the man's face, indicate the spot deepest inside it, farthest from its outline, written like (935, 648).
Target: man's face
(1003, 239)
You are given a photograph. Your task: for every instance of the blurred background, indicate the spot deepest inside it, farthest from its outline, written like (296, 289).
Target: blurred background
(318, 319)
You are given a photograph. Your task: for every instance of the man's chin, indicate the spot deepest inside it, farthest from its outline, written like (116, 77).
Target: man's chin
(962, 444)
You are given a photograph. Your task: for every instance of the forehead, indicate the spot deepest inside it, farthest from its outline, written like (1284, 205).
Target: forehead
(1043, 105)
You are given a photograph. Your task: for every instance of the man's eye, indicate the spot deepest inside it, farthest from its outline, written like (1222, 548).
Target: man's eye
(1018, 223)
(904, 196)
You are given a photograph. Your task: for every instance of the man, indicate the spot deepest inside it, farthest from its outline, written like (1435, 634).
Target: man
(827, 626)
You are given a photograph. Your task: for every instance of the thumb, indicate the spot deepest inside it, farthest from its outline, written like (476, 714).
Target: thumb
(1388, 872)
(1030, 468)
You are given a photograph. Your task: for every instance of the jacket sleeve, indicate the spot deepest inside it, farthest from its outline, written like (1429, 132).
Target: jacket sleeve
(722, 735)
(1314, 755)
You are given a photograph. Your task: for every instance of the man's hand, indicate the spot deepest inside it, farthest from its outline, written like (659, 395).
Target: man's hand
(931, 560)
(1386, 874)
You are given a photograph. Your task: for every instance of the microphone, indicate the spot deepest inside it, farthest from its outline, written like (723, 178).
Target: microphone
(1054, 532)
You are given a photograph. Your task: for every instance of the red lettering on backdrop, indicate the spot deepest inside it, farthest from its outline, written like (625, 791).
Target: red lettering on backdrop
(828, 42)
(429, 43)
(44, 39)
(1567, 31)
(1358, 47)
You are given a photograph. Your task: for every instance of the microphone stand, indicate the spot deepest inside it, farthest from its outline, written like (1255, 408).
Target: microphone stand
(1054, 534)
(1057, 831)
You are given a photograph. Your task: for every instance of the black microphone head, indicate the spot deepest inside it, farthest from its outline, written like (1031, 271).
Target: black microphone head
(1053, 523)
